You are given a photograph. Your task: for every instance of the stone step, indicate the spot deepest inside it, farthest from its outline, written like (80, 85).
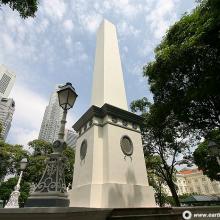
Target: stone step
(134, 211)
(170, 216)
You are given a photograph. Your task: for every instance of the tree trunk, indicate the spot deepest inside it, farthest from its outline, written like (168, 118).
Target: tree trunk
(171, 185)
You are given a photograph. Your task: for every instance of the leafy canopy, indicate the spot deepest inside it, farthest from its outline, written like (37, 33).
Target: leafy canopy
(206, 161)
(26, 8)
(184, 78)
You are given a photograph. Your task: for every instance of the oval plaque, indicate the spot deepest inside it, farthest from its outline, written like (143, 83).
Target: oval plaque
(83, 149)
(126, 146)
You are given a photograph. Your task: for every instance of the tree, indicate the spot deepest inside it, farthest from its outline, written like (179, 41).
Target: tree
(184, 78)
(6, 188)
(26, 8)
(37, 161)
(155, 180)
(206, 161)
(10, 157)
(164, 141)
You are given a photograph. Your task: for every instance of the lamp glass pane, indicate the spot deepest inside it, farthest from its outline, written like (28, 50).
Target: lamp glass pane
(23, 163)
(63, 95)
(71, 98)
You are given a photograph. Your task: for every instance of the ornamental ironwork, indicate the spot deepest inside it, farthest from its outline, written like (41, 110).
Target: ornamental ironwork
(53, 179)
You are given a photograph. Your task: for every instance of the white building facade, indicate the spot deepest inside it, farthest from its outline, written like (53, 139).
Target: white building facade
(7, 80)
(193, 181)
(51, 121)
(7, 108)
(70, 138)
(7, 105)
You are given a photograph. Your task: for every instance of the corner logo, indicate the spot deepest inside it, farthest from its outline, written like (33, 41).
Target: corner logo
(187, 215)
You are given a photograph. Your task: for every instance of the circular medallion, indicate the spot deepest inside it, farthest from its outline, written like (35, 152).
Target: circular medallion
(83, 149)
(114, 120)
(134, 126)
(126, 146)
(125, 123)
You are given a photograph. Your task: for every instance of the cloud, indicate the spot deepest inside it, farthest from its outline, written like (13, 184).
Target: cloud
(125, 29)
(28, 115)
(161, 15)
(42, 26)
(8, 43)
(54, 9)
(90, 22)
(68, 41)
(68, 25)
(125, 8)
(60, 43)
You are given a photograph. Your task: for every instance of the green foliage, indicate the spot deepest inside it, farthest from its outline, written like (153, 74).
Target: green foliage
(184, 78)
(10, 157)
(24, 193)
(152, 163)
(164, 141)
(140, 105)
(6, 188)
(69, 153)
(40, 147)
(37, 161)
(205, 160)
(25, 8)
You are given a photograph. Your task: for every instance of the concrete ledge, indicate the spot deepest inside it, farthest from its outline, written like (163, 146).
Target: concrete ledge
(54, 214)
(72, 213)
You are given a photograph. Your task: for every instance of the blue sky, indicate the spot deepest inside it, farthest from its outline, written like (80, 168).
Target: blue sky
(58, 45)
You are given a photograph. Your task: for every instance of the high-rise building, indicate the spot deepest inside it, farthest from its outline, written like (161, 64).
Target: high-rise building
(51, 121)
(7, 80)
(70, 138)
(7, 107)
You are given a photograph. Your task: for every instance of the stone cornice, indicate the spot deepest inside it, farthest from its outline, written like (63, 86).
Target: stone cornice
(107, 109)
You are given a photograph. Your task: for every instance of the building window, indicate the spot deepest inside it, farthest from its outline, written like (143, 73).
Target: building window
(206, 189)
(198, 189)
(4, 83)
(203, 179)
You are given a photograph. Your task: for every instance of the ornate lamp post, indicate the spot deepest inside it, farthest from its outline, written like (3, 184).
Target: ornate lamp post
(13, 200)
(51, 189)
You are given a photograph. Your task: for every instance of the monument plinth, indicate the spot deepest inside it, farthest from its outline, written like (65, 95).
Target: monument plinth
(109, 169)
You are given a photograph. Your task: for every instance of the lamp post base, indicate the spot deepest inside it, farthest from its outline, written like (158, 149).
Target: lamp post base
(42, 201)
(13, 200)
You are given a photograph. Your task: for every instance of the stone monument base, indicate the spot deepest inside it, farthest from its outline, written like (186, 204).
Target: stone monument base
(48, 200)
(112, 195)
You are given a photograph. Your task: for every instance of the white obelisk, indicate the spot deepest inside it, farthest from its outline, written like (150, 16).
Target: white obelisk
(108, 83)
(109, 170)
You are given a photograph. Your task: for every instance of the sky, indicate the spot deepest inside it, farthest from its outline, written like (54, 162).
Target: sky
(58, 46)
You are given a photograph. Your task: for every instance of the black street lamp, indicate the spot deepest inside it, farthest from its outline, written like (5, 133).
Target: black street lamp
(51, 189)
